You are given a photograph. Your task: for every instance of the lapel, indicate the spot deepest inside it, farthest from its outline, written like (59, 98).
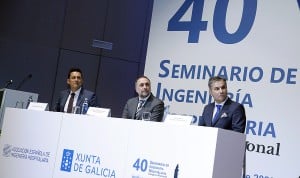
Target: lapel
(210, 113)
(134, 107)
(148, 102)
(64, 99)
(80, 98)
(224, 109)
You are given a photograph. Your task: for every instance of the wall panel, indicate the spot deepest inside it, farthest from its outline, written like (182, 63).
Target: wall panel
(84, 21)
(45, 38)
(19, 60)
(116, 83)
(127, 28)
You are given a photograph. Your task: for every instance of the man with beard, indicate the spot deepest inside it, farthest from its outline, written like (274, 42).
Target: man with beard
(144, 102)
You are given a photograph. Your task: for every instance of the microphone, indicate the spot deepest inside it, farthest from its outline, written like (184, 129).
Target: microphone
(8, 82)
(23, 81)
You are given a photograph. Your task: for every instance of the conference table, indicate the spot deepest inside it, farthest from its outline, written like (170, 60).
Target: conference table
(47, 144)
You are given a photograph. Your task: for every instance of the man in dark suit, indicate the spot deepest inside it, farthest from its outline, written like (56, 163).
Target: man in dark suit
(231, 115)
(144, 102)
(75, 82)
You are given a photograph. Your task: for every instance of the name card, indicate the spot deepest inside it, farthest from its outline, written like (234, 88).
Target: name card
(102, 112)
(38, 106)
(178, 119)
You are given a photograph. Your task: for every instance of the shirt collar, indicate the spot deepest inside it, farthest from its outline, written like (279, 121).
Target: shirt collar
(145, 99)
(76, 92)
(222, 102)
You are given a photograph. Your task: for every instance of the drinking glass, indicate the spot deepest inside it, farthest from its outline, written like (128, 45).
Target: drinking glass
(146, 116)
(76, 110)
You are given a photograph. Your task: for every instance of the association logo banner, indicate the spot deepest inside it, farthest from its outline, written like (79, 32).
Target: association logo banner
(30, 154)
(28, 143)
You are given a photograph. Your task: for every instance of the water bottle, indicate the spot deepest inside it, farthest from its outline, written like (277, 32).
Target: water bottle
(85, 106)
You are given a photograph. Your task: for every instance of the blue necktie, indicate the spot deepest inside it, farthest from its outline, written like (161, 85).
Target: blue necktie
(214, 120)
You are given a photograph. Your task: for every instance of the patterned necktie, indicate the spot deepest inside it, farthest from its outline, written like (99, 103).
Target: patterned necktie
(139, 108)
(214, 120)
(70, 105)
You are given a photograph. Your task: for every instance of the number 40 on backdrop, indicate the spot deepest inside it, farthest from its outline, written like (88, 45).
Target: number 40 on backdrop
(252, 43)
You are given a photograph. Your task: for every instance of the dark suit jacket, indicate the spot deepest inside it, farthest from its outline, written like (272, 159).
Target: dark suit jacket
(63, 96)
(231, 117)
(153, 105)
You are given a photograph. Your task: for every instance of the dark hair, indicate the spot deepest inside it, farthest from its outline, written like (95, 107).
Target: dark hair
(215, 79)
(143, 76)
(73, 69)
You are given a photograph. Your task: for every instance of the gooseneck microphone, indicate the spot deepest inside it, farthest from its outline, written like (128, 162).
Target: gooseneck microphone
(23, 81)
(8, 82)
